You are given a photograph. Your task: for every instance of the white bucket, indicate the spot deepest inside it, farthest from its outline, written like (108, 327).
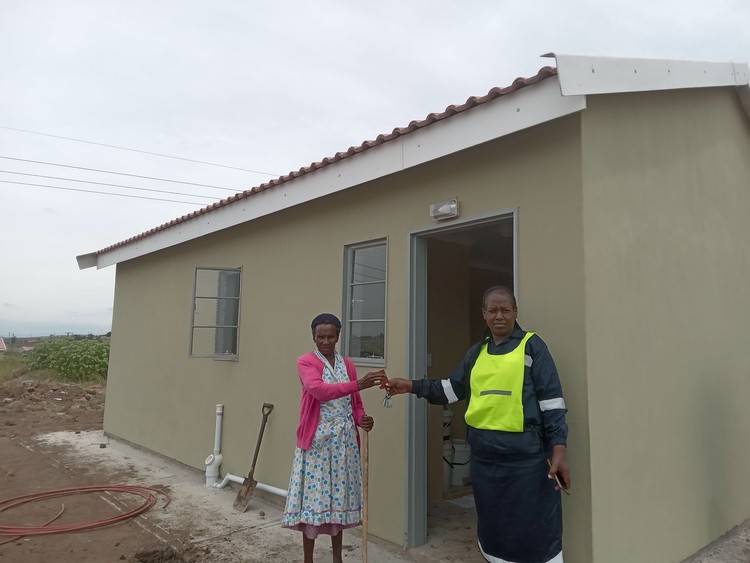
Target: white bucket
(447, 461)
(461, 461)
(447, 416)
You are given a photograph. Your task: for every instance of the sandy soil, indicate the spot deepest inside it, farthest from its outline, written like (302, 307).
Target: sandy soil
(30, 408)
(51, 438)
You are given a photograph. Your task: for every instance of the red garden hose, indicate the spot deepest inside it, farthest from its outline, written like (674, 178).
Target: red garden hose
(47, 523)
(149, 495)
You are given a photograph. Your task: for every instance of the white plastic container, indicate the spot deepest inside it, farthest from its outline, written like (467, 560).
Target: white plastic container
(461, 463)
(447, 416)
(447, 461)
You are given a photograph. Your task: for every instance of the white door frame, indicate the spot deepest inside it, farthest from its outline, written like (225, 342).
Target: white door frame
(416, 409)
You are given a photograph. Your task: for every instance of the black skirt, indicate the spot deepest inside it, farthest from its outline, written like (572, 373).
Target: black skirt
(519, 512)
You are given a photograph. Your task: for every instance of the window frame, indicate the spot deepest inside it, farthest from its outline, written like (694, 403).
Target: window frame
(195, 297)
(349, 284)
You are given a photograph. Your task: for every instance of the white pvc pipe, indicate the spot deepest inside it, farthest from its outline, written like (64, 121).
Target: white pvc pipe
(272, 490)
(213, 461)
(217, 432)
(260, 486)
(227, 478)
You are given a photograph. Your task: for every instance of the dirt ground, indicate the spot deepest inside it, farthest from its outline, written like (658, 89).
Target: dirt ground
(29, 408)
(51, 438)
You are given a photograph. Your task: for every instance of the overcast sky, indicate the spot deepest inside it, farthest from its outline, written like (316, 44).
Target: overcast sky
(268, 87)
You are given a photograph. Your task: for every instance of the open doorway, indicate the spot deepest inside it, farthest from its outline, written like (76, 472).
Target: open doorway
(451, 269)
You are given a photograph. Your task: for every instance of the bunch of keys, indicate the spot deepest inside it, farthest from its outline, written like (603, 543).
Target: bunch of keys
(387, 402)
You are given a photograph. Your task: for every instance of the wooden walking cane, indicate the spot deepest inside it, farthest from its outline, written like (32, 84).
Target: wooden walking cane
(365, 478)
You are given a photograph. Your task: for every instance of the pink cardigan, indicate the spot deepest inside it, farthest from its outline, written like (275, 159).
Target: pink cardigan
(315, 391)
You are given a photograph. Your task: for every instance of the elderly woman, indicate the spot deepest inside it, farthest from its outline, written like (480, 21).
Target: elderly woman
(517, 432)
(325, 489)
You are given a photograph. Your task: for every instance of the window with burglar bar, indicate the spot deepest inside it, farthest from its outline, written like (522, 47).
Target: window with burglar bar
(216, 313)
(364, 313)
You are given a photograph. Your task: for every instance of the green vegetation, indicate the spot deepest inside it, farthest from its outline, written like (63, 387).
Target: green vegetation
(71, 359)
(11, 364)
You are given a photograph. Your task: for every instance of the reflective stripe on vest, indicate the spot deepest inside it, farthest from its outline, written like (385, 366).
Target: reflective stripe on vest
(497, 390)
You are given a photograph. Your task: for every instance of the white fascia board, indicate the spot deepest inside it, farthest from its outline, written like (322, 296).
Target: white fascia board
(582, 74)
(87, 261)
(529, 106)
(520, 110)
(341, 175)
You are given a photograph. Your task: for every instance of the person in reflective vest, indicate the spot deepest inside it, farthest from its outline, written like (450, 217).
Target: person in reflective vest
(516, 431)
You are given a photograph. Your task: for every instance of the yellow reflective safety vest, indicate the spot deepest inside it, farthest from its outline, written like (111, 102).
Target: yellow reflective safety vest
(496, 399)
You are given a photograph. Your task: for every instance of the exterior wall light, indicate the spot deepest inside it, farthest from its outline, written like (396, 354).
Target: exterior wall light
(444, 209)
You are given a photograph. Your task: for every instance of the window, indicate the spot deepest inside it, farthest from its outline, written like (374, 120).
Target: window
(365, 302)
(216, 313)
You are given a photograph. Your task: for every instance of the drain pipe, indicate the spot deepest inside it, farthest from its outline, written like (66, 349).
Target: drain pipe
(214, 460)
(260, 486)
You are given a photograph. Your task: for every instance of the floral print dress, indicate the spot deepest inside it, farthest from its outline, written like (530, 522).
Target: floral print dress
(325, 489)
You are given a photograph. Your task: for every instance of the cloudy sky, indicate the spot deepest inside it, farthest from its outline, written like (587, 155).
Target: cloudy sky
(260, 88)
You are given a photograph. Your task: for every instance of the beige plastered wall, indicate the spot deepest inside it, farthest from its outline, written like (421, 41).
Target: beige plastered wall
(666, 202)
(293, 268)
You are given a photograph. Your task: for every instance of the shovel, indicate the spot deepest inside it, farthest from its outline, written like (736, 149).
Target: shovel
(248, 486)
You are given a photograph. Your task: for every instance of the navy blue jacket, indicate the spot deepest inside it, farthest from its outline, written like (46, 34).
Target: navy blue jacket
(543, 403)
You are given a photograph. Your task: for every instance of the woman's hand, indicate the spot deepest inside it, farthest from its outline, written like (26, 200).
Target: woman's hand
(371, 379)
(558, 467)
(397, 386)
(367, 422)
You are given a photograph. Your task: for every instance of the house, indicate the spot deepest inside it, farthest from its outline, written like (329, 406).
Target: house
(611, 194)
(3, 347)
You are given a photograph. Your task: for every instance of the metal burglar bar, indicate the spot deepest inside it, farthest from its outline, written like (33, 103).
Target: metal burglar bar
(366, 285)
(216, 311)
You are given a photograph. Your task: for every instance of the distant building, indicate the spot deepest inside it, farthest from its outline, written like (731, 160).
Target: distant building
(3, 348)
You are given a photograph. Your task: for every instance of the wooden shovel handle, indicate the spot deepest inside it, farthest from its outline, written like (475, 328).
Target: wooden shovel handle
(267, 408)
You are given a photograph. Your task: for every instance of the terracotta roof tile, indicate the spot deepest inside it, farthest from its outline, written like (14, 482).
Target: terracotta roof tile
(471, 102)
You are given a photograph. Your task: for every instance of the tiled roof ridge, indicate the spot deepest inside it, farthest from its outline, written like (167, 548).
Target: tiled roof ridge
(471, 102)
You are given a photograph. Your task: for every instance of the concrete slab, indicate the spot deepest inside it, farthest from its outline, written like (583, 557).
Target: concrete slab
(204, 518)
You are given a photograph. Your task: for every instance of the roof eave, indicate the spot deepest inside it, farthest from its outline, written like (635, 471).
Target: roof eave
(87, 260)
(576, 77)
(585, 75)
(501, 116)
